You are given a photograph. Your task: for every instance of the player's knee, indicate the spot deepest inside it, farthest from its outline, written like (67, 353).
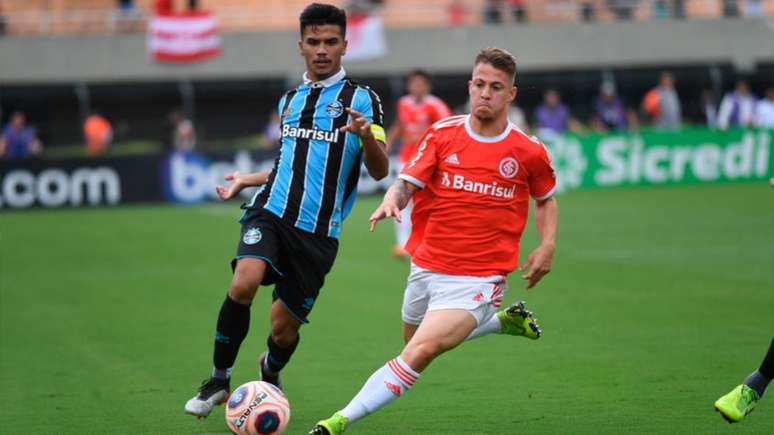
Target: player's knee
(243, 290)
(424, 352)
(284, 336)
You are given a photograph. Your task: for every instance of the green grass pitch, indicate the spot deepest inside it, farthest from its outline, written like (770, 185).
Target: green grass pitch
(661, 300)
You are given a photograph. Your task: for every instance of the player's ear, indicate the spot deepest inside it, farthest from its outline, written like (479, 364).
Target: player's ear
(343, 53)
(514, 92)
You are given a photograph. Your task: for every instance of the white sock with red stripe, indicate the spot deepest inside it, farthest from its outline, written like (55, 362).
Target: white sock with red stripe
(491, 326)
(385, 385)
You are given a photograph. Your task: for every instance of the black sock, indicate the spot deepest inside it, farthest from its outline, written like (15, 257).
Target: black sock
(279, 356)
(767, 366)
(760, 379)
(233, 323)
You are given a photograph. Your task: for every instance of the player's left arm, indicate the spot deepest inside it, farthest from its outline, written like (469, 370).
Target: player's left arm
(539, 261)
(542, 185)
(367, 122)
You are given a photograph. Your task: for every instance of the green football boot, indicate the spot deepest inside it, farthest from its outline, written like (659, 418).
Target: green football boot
(331, 426)
(516, 320)
(735, 405)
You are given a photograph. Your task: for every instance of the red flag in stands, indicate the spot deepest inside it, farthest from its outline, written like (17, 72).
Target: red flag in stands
(189, 37)
(365, 34)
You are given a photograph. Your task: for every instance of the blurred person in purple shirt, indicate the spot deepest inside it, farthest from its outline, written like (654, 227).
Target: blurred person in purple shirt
(552, 116)
(737, 109)
(609, 113)
(18, 141)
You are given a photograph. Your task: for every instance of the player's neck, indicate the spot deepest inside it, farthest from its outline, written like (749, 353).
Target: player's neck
(418, 98)
(488, 127)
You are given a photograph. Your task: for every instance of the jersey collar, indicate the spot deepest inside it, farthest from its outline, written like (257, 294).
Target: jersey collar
(486, 139)
(330, 81)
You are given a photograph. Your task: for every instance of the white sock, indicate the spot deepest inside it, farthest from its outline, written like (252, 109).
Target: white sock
(491, 326)
(403, 228)
(222, 373)
(385, 385)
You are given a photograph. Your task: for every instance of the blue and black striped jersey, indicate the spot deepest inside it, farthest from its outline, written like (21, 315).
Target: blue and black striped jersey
(314, 180)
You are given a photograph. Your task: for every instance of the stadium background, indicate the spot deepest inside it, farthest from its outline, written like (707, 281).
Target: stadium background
(661, 298)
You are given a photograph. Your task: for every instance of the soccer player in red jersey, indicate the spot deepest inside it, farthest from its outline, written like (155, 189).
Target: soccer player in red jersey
(471, 178)
(417, 111)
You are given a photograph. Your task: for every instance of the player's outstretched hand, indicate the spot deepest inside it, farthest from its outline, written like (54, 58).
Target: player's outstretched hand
(383, 211)
(538, 263)
(358, 124)
(226, 193)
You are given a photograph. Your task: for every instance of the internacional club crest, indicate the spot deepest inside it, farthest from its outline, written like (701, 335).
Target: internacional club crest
(509, 167)
(252, 236)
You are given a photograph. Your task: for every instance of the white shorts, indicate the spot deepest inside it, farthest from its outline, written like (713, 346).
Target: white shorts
(426, 291)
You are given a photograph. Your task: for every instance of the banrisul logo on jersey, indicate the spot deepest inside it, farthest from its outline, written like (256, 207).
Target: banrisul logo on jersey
(688, 156)
(310, 133)
(459, 182)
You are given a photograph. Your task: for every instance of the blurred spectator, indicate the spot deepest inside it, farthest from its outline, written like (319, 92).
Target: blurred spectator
(552, 116)
(709, 109)
(737, 109)
(662, 104)
(272, 131)
(622, 9)
(19, 140)
(730, 8)
(193, 5)
(98, 133)
(128, 16)
(678, 9)
(457, 13)
(184, 135)
(163, 7)
(764, 111)
(753, 8)
(493, 11)
(660, 10)
(518, 10)
(609, 113)
(2, 20)
(587, 12)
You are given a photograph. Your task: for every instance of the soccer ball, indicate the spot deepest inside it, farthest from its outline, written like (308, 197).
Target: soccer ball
(257, 408)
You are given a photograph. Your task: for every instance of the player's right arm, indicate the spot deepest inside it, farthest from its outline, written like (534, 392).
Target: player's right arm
(395, 131)
(395, 200)
(415, 175)
(241, 181)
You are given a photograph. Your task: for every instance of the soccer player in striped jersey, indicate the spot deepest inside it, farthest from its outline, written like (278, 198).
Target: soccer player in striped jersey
(330, 126)
(471, 178)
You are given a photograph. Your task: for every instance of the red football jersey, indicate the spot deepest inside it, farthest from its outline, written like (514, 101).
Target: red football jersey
(471, 211)
(416, 118)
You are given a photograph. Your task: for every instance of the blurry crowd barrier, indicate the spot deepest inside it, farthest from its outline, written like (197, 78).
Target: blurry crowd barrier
(689, 156)
(80, 17)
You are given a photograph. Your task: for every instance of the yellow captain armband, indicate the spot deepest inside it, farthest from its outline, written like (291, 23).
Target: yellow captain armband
(378, 132)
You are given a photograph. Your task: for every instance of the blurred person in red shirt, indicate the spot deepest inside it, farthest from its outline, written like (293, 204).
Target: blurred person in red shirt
(98, 133)
(417, 111)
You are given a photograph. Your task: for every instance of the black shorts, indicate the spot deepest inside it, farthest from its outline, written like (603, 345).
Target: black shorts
(297, 260)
